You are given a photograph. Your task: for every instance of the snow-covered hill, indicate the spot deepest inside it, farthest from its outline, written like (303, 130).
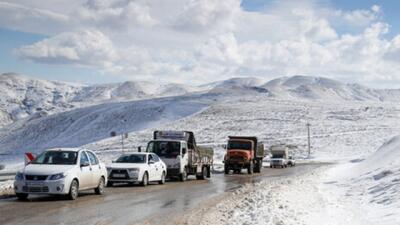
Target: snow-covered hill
(238, 86)
(320, 88)
(21, 97)
(24, 97)
(86, 125)
(43, 114)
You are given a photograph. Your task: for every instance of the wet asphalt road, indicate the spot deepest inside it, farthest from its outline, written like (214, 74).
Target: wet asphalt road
(154, 204)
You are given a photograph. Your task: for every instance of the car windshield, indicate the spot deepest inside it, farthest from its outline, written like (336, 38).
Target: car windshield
(132, 158)
(168, 149)
(277, 156)
(57, 158)
(243, 145)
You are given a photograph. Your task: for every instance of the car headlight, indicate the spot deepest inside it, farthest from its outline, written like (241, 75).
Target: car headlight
(57, 176)
(19, 176)
(133, 170)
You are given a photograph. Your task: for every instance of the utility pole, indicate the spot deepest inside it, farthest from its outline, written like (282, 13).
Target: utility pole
(309, 140)
(122, 141)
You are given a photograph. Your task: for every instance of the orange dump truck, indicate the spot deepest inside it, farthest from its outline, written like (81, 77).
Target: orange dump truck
(243, 153)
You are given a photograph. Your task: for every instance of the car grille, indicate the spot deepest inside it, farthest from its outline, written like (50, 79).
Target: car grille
(119, 171)
(35, 177)
(42, 189)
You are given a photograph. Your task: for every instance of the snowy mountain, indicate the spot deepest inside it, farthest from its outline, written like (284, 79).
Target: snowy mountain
(237, 86)
(41, 114)
(320, 88)
(21, 97)
(89, 124)
(24, 97)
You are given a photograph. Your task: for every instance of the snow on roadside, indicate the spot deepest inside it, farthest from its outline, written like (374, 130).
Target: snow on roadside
(303, 199)
(6, 188)
(373, 183)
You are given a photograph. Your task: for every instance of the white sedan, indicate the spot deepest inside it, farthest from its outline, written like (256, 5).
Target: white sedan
(62, 171)
(137, 168)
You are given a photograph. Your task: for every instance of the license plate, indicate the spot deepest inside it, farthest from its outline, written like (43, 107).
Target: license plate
(119, 175)
(33, 184)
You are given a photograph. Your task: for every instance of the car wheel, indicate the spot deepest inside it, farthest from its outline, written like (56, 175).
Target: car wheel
(73, 190)
(162, 181)
(145, 180)
(22, 196)
(100, 188)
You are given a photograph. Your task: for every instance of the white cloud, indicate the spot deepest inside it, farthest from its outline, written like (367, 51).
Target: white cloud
(85, 48)
(117, 14)
(207, 15)
(205, 40)
(361, 17)
(35, 20)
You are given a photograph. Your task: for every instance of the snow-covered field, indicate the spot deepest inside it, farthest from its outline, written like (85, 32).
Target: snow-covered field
(351, 126)
(340, 130)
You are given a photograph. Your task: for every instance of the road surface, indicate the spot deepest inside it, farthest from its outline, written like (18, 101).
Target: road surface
(154, 204)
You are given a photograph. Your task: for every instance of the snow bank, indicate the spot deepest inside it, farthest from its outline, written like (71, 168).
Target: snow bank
(285, 201)
(374, 183)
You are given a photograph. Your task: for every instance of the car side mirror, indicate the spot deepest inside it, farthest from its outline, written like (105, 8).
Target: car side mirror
(85, 164)
(139, 149)
(151, 161)
(114, 161)
(183, 151)
(224, 146)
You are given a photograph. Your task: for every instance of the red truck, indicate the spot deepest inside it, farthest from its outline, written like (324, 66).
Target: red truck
(244, 153)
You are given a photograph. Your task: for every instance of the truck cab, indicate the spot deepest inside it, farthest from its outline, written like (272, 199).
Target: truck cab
(279, 156)
(180, 153)
(172, 152)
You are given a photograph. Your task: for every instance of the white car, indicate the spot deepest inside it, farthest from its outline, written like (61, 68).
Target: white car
(61, 171)
(140, 167)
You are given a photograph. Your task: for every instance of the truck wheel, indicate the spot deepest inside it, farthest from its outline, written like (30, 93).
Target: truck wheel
(203, 174)
(250, 168)
(257, 169)
(226, 170)
(22, 196)
(183, 176)
(208, 172)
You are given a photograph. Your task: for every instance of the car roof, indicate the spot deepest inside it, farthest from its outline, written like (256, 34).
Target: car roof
(137, 153)
(66, 149)
(171, 140)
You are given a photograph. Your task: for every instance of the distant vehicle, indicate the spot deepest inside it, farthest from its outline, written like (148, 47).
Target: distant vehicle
(61, 171)
(279, 156)
(137, 168)
(291, 161)
(180, 153)
(243, 153)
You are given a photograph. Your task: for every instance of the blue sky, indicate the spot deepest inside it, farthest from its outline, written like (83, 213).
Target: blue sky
(58, 46)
